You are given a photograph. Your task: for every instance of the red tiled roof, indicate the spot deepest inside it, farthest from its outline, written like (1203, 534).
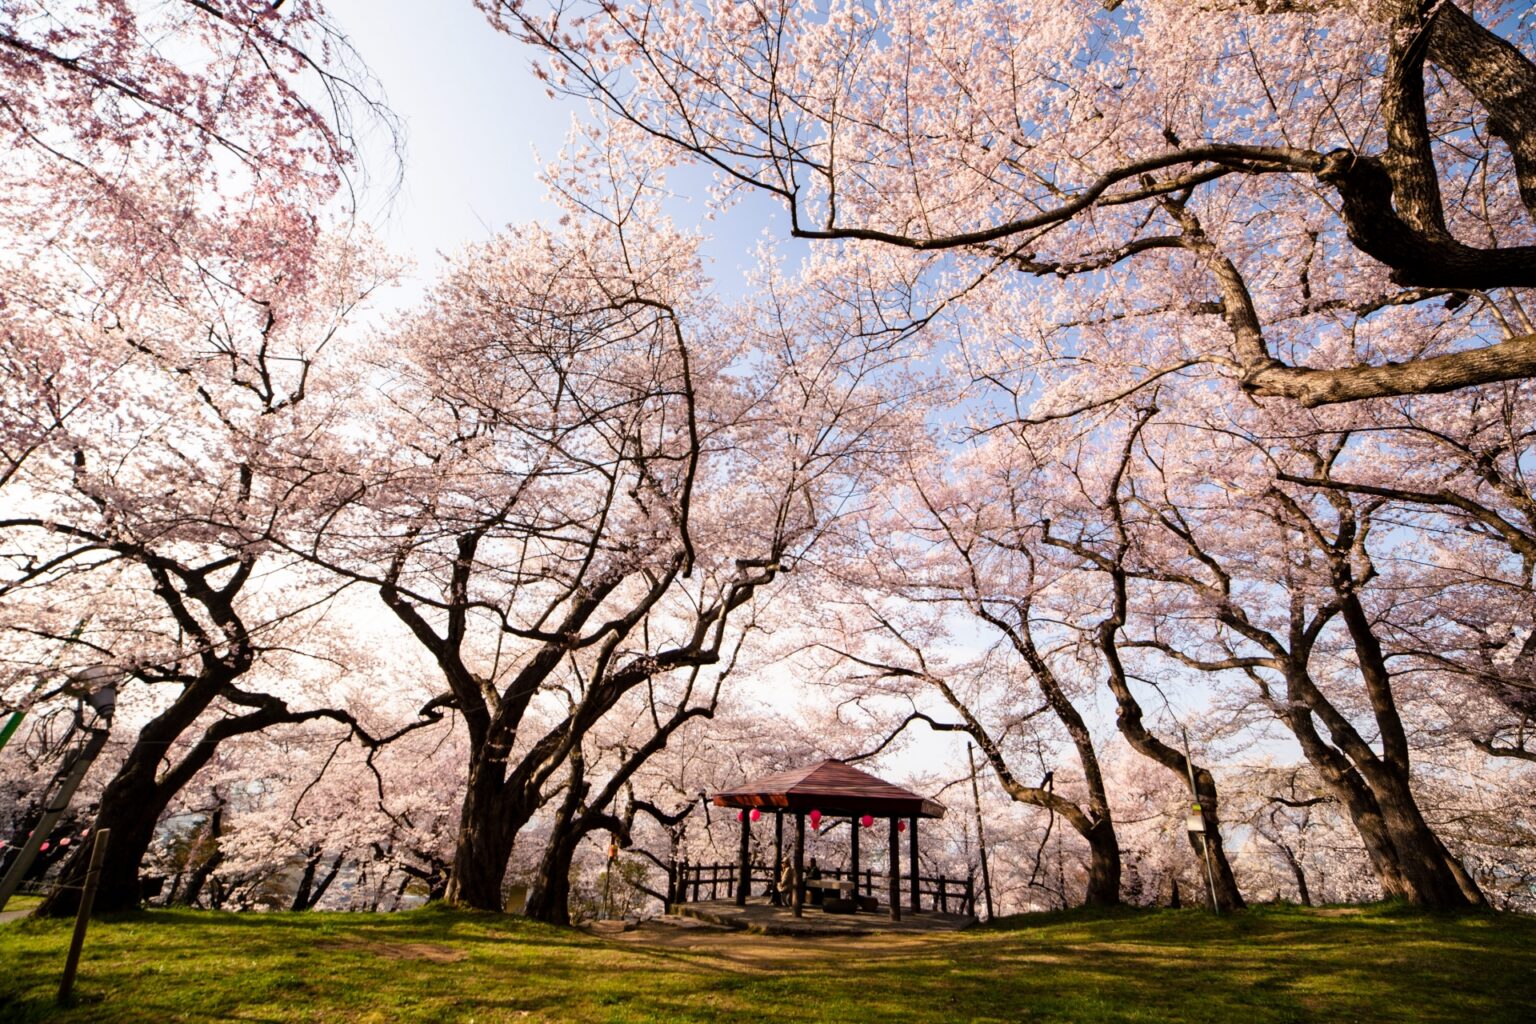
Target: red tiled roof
(832, 788)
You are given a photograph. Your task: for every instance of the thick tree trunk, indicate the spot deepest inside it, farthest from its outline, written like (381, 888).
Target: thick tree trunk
(492, 815)
(1423, 858)
(1409, 861)
(1103, 866)
(1426, 863)
(550, 898)
(131, 807)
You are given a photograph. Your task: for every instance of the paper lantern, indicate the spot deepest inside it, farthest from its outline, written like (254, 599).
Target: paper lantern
(756, 814)
(867, 820)
(739, 814)
(40, 849)
(64, 841)
(901, 826)
(816, 819)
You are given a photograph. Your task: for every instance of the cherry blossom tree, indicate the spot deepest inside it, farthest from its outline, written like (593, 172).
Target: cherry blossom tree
(1282, 583)
(1359, 158)
(592, 468)
(170, 275)
(140, 507)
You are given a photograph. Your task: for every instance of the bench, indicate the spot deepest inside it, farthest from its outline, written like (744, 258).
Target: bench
(842, 886)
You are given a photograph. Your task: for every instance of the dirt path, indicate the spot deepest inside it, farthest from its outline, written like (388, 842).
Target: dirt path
(747, 951)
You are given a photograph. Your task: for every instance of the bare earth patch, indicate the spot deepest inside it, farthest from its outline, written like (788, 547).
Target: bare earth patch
(748, 951)
(402, 950)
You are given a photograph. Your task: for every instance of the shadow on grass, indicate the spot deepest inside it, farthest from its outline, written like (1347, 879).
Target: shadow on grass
(1268, 966)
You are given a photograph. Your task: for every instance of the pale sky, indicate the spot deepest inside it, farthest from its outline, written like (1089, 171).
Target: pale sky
(478, 128)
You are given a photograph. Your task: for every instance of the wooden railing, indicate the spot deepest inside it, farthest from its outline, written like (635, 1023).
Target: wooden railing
(692, 883)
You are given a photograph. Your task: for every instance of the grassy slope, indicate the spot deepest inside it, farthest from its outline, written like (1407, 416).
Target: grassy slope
(1269, 965)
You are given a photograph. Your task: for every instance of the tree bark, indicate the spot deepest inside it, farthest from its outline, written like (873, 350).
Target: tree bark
(550, 897)
(491, 817)
(208, 856)
(1103, 866)
(131, 806)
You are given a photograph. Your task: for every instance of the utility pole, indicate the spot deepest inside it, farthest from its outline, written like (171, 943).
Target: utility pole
(981, 836)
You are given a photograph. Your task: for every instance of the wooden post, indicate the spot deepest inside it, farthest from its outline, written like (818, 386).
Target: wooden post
(912, 864)
(744, 886)
(894, 871)
(778, 856)
(943, 896)
(853, 840)
(799, 864)
(83, 914)
(698, 880)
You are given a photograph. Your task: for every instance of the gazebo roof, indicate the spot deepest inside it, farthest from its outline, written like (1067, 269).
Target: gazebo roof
(833, 788)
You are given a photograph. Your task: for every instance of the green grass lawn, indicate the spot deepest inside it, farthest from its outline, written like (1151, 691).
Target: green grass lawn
(1379, 964)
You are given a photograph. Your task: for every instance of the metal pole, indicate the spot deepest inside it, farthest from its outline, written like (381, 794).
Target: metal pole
(1205, 841)
(9, 729)
(83, 915)
(981, 836)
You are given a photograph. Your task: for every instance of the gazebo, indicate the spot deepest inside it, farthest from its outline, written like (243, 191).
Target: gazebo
(831, 789)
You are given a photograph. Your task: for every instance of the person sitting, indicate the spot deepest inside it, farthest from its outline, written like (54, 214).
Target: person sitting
(813, 874)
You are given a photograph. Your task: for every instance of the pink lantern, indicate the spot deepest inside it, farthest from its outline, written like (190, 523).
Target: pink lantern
(64, 841)
(901, 826)
(739, 814)
(84, 832)
(45, 846)
(756, 814)
(867, 820)
(816, 819)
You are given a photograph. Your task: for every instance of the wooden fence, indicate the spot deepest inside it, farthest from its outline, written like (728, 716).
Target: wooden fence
(691, 883)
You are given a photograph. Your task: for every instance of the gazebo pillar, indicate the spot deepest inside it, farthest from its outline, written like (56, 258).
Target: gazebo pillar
(745, 885)
(799, 887)
(912, 871)
(853, 842)
(778, 856)
(894, 870)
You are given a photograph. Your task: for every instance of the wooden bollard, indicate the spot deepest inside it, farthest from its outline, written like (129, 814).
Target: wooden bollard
(83, 914)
